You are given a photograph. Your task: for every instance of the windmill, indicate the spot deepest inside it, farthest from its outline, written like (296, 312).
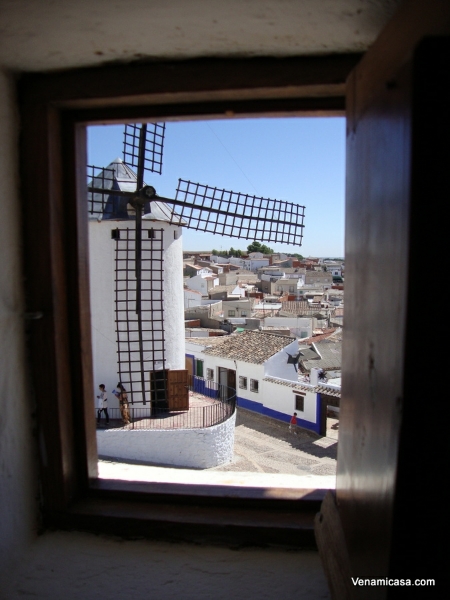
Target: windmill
(119, 193)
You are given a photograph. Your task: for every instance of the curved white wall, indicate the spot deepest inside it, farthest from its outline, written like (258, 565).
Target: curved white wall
(194, 448)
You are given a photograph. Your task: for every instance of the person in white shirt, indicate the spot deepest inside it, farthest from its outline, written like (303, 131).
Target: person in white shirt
(102, 405)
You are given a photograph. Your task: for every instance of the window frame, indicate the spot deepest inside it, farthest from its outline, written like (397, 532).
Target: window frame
(55, 109)
(253, 388)
(243, 384)
(210, 374)
(297, 397)
(199, 367)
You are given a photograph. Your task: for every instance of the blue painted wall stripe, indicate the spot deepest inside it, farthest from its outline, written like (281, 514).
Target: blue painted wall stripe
(258, 407)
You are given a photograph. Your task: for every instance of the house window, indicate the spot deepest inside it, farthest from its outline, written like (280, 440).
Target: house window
(243, 383)
(210, 374)
(254, 385)
(243, 313)
(300, 402)
(231, 313)
(199, 368)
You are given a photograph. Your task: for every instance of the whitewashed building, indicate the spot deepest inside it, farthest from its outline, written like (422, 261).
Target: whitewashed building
(203, 283)
(261, 366)
(191, 298)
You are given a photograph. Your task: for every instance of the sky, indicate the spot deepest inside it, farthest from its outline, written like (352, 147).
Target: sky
(299, 160)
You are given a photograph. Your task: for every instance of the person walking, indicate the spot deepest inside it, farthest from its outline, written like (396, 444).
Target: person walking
(102, 404)
(123, 403)
(293, 424)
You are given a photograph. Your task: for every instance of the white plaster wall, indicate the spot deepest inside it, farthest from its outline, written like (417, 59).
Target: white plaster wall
(251, 371)
(257, 263)
(244, 369)
(282, 398)
(102, 285)
(277, 365)
(296, 325)
(173, 296)
(199, 284)
(102, 289)
(193, 448)
(192, 298)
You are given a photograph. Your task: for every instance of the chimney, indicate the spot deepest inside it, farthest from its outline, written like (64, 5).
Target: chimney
(314, 376)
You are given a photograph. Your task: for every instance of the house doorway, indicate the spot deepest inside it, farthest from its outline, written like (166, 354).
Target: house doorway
(329, 415)
(227, 378)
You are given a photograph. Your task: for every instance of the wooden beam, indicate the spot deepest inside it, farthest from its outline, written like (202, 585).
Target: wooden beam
(332, 546)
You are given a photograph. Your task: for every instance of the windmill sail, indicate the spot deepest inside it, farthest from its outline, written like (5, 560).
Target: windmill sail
(152, 151)
(234, 214)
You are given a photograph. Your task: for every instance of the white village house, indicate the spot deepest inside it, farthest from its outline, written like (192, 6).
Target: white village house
(262, 368)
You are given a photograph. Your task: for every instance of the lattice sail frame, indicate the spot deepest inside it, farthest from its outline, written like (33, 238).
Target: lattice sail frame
(103, 178)
(233, 214)
(140, 336)
(153, 149)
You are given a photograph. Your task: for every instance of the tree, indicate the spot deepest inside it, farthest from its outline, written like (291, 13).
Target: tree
(258, 247)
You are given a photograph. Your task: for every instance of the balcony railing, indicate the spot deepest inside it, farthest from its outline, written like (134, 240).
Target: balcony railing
(219, 404)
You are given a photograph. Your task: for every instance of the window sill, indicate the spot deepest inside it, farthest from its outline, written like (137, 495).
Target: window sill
(195, 513)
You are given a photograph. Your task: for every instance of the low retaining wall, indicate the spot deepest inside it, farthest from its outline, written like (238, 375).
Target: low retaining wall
(193, 448)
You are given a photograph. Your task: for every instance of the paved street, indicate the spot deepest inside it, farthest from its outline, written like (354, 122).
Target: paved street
(264, 445)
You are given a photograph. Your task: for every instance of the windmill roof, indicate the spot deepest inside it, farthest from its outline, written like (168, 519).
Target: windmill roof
(119, 176)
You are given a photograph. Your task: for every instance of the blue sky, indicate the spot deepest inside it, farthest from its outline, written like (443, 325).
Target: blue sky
(299, 160)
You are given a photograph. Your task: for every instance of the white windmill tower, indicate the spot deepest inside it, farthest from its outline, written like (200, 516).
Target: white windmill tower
(137, 262)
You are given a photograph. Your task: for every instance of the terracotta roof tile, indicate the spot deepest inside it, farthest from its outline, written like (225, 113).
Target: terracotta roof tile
(249, 346)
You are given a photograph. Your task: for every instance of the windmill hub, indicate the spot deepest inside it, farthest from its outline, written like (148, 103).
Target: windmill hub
(148, 191)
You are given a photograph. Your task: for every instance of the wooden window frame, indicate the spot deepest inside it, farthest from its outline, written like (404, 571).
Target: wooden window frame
(55, 109)
(199, 367)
